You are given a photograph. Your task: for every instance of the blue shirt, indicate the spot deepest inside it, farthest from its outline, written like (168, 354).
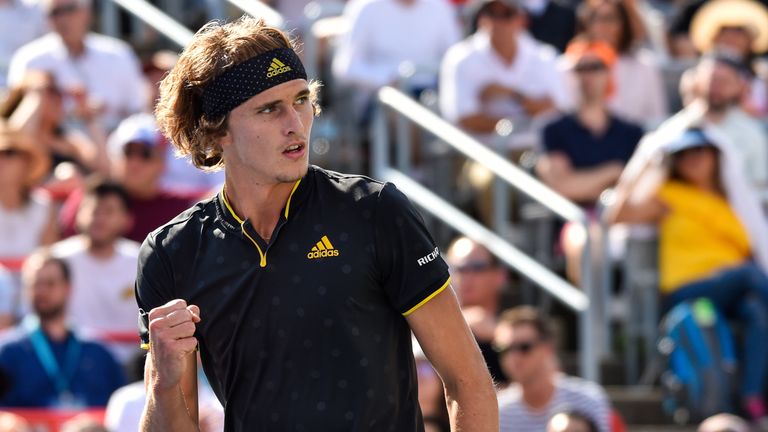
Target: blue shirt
(586, 150)
(96, 376)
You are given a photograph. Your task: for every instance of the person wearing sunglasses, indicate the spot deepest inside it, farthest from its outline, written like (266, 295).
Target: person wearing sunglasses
(526, 345)
(585, 151)
(104, 70)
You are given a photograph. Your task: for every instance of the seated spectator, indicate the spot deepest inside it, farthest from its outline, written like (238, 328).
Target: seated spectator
(103, 264)
(27, 218)
(585, 151)
(552, 22)
(21, 21)
(47, 364)
(723, 423)
(36, 106)
(501, 73)
(740, 28)
(571, 421)
(639, 94)
(713, 239)
(384, 34)
(138, 151)
(717, 84)
(102, 70)
(478, 278)
(540, 391)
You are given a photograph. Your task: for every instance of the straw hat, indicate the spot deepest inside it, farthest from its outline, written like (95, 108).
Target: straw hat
(39, 162)
(717, 14)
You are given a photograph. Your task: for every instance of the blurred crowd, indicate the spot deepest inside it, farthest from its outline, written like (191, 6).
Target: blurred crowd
(665, 101)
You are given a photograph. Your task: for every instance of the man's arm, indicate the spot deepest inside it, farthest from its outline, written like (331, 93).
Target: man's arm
(556, 171)
(450, 347)
(170, 374)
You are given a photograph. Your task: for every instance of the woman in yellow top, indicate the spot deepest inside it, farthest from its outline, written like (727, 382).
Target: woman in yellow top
(706, 243)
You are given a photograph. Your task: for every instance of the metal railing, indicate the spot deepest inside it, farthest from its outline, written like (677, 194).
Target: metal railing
(258, 9)
(148, 14)
(390, 99)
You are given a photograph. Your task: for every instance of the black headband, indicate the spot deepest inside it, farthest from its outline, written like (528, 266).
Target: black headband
(249, 78)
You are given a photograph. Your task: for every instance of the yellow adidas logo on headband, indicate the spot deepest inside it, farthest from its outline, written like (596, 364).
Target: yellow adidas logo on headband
(276, 68)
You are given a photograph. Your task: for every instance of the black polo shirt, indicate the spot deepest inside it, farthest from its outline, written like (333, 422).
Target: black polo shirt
(306, 332)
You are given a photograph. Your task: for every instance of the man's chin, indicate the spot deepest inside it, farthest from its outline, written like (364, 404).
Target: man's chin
(296, 174)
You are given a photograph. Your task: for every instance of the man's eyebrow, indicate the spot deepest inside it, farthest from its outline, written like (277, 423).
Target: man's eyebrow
(273, 103)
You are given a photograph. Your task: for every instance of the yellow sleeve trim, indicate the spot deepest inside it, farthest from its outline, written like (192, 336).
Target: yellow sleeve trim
(430, 297)
(144, 346)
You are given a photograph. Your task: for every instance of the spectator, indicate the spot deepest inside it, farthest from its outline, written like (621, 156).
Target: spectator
(35, 105)
(48, 364)
(500, 73)
(719, 81)
(103, 265)
(639, 94)
(384, 34)
(585, 151)
(723, 423)
(83, 423)
(478, 278)
(101, 69)
(27, 219)
(10, 422)
(22, 21)
(528, 357)
(713, 239)
(571, 421)
(739, 28)
(138, 151)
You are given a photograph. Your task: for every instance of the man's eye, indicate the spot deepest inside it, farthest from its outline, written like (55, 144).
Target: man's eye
(302, 100)
(267, 110)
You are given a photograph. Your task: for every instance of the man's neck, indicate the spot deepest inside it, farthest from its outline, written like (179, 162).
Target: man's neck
(261, 204)
(100, 250)
(55, 328)
(11, 198)
(145, 192)
(539, 393)
(506, 49)
(75, 48)
(594, 116)
(717, 114)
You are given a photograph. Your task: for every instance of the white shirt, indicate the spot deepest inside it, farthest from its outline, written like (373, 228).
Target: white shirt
(640, 96)
(473, 64)
(21, 229)
(108, 70)
(181, 177)
(748, 137)
(21, 22)
(571, 394)
(385, 33)
(102, 300)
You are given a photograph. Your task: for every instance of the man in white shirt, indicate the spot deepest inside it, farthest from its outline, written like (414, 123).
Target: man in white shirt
(103, 266)
(527, 353)
(22, 21)
(100, 68)
(500, 73)
(385, 34)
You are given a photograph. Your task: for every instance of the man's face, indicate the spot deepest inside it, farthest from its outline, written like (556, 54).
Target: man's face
(267, 136)
(721, 85)
(524, 356)
(71, 19)
(737, 40)
(49, 290)
(475, 277)
(141, 166)
(103, 219)
(593, 77)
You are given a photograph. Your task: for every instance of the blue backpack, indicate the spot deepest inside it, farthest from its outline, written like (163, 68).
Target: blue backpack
(698, 346)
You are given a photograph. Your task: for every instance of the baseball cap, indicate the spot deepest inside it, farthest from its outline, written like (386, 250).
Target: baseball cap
(690, 138)
(138, 128)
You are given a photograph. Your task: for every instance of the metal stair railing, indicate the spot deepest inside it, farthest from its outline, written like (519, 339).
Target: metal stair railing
(391, 100)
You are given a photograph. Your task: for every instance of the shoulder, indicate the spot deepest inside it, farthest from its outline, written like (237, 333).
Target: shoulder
(69, 247)
(509, 398)
(40, 47)
(627, 127)
(109, 45)
(577, 388)
(127, 248)
(462, 52)
(354, 186)
(96, 350)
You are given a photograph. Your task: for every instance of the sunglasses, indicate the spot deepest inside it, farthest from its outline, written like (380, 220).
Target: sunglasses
(588, 67)
(10, 153)
(474, 267)
(523, 348)
(140, 150)
(62, 10)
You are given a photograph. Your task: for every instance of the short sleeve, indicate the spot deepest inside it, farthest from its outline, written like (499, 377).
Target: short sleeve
(411, 268)
(154, 278)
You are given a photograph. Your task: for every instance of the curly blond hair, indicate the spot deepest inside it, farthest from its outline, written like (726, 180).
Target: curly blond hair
(215, 48)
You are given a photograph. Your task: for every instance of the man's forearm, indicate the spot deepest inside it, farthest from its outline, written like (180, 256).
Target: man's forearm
(166, 411)
(472, 405)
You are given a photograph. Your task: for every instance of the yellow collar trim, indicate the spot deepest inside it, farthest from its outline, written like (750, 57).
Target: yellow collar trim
(240, 220)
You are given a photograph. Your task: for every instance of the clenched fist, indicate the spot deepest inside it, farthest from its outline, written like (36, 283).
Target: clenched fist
(171, 338)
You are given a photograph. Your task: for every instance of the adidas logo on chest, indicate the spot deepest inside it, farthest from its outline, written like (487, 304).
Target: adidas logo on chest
(323, 249)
